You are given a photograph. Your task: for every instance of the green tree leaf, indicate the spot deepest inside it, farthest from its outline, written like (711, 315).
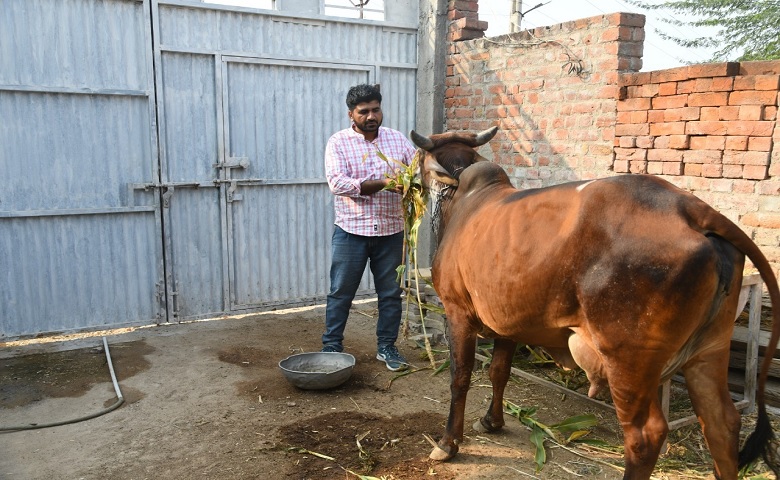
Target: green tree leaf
(745, 29)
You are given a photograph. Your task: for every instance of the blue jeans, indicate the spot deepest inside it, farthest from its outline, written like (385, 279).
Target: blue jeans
(350, 254)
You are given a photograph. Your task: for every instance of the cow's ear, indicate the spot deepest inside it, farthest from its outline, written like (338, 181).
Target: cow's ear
(437, 172)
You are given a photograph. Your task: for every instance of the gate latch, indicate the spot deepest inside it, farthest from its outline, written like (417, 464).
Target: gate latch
(232, 196)
(233, 162)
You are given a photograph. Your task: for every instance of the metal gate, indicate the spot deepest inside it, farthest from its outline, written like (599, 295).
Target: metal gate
(164, 159)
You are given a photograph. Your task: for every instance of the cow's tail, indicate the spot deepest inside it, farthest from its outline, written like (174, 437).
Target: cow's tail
(760, 442)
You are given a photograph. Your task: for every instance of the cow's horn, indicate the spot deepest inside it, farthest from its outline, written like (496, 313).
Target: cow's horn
(485, 136)
(421, 141)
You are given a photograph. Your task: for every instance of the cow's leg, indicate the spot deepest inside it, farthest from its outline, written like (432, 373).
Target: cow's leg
(706, 379)
(463, 343)
(644, 425)
(500, 368)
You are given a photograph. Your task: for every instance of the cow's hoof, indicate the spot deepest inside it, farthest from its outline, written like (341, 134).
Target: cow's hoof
(440, 455)
(480, 427)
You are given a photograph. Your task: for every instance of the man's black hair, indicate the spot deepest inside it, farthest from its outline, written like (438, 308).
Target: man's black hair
(362, 94)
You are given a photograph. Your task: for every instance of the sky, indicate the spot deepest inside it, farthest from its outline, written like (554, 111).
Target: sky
(659, 54)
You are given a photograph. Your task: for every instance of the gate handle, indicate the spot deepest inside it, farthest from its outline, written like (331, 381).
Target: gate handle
(233, 162)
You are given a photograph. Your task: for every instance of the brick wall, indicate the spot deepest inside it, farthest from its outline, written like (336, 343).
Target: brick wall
(570, 106)
(552, 92)
(711, 129)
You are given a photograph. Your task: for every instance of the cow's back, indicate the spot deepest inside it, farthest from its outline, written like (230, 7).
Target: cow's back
(532, 265)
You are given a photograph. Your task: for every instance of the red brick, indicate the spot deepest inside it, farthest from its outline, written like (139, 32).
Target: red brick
(664, 155)
(645, 141)
(631, 154)
(637, 116)
(633, 129)
(702, 85)
(762, 67)
(708, 142)
(714, 99)
(769, 188)
(753, 97)
(667, 88)
(732, 171)
(633, 104)
(745, 82)
(760, 144)
(751, 112)
(755, 172)
(768, 82)
(725, 69)
(744, 186)
(640, 78)
(655, 116)
(670, 75)
(761, 219)
(620, 166)
(756, 129)
(655, 168)
(641, 91)
(722, 84)
(706, 128)
(724, 186)
(679, 141)
(626, 19)
(638, 166)
(672, 101)
(686, 86)
(702, 156)
(736, 143)
(668, 128)
(745, 158)
(709, 114)
(627, 142)
(692, 169)
(672, 168)
(728, 112)
(684, 113)
(712, 170)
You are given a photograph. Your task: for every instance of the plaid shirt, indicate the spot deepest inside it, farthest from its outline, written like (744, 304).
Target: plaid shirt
(351, 160)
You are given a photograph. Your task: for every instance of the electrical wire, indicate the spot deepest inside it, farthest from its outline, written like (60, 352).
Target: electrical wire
(117, 404)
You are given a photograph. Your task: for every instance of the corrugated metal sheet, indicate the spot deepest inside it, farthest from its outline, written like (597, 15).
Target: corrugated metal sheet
(73, 272)
(71, 151)
(261, 35)
(102, 225)
(282, 224)
(79, 248)
(282, 83)
(55, 43)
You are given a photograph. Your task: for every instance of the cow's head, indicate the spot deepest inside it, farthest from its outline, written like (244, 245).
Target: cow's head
(444, 157)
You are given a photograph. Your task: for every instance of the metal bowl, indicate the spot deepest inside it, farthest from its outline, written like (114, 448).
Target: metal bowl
(317, 370)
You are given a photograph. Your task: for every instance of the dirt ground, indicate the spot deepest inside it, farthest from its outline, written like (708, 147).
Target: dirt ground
(207, 400)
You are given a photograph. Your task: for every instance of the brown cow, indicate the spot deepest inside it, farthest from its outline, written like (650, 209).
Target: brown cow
(629, 276)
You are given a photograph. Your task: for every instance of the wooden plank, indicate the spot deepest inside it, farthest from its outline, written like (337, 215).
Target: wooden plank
(737, 362)
(739, 339)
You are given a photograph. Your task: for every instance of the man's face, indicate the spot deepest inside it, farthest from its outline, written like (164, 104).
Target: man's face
(367, 116)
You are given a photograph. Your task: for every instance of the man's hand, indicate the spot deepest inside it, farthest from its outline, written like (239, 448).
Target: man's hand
(392, 186)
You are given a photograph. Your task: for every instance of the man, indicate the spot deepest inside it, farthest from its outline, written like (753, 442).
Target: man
(369, 221)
